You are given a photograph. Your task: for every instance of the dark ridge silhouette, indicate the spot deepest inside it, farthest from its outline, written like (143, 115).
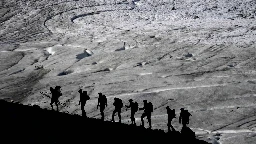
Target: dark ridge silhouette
(33, 125)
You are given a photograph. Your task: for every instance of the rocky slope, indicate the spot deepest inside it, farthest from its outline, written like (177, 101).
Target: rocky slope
(196, 54)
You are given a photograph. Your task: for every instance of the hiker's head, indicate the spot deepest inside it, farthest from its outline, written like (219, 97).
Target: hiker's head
(181, 109)
(100, 94)
(80, 91)
(57, 87)
(167, 107)
(145, 101)
(130, 100)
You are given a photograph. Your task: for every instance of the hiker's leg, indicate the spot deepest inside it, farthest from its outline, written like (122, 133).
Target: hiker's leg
(132, 117)
(57, 106)
(133, 121)
(82, 106)
(168, 125)
(149, 120)
(113, 114)
(119, 115)
(51, 104)
(102, 115)
(184, 122)
(142, 121)
(173, 129)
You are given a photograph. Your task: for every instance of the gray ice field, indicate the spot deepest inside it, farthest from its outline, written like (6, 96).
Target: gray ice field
(196, 54)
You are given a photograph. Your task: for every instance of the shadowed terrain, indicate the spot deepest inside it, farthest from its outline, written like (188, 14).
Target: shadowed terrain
(44, 126)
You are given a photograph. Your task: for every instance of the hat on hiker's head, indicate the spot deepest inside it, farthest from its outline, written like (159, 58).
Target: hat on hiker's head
(130, 100)
(181, 108)
(100, 93)
(144, 100)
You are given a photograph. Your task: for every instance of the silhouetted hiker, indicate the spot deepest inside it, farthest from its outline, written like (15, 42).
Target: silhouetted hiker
(56, 93)
(83, 98)
(102, 102)
(134, 108)
(148, 109)
(184, 117)
(118, 106)
(171, 115)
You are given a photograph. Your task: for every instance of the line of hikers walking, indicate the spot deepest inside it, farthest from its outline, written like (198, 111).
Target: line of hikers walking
(118, 104)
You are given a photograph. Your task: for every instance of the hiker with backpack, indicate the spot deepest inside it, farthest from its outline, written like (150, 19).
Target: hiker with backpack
(83, 98)
(118, 106)
(148, 109)
(171, 115)
(134, 108)
(184, 117)
(56, 93)
(102, 102)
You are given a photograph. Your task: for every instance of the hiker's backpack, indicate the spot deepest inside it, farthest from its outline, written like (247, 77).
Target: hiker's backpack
(87, 97)
(136, 106)
(173, 115)
(120, 103)
(150, 107)
(104, 98)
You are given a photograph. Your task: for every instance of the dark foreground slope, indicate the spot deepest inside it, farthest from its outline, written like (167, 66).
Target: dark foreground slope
(27, 124)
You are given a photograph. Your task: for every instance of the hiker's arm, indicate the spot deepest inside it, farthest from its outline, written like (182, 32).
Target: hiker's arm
(126, 106)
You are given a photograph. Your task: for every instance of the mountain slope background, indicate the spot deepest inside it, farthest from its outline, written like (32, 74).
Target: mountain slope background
(196, 54)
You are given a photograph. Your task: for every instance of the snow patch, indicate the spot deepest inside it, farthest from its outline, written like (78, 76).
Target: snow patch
(234, 131)
(88, 52)
(25, 49)
(50, 50)
(137, 3)
(142, 74)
